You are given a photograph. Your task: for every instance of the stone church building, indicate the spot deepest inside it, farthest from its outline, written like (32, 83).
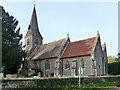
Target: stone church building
(63, 57)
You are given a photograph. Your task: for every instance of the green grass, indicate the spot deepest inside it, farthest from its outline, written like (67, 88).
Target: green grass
(90, 85)
(97, 85)
(101, 85)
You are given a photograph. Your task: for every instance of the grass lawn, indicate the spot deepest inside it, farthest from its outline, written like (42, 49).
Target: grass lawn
(88, 86)
(101, 85)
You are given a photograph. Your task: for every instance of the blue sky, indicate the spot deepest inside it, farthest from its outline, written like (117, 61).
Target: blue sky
(80, 20)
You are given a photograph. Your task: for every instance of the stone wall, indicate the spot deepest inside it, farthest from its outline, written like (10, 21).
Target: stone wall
(50, 71)
(88, 70)
(98, 58)
(23, 82)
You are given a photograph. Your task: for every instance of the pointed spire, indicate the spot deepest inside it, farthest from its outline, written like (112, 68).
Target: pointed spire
(33, 28)
(33, 22)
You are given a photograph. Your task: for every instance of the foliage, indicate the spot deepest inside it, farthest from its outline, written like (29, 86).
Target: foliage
(12, 50)
(73, 83)
(117, 59)
(89, 85)
(112, 59)
(118, 84)
(100, 85)
(67, 83)
(113, 68)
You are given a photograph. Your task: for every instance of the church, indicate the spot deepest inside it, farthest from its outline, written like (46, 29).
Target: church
(63, 58)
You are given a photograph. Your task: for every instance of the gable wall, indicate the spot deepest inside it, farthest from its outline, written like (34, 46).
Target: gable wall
(98, 57)
(105, 62)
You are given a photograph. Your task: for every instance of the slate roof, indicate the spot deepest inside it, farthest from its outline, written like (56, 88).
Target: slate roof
(33, 33)
(33, 27)
(79, 48)
(49, 50)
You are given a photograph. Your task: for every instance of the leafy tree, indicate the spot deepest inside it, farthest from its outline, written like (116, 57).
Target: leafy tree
(12, 49)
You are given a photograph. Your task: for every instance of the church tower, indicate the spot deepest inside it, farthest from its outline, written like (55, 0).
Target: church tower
(33, 37)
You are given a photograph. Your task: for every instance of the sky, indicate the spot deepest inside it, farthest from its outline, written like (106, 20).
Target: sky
(80, 20)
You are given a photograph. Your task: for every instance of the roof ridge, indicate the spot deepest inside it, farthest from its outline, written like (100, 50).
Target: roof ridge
(53, 41)
(45, 49)
(84, 39)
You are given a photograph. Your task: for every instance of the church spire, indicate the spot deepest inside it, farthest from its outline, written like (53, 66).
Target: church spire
(33, 28)
(33, 22)
(33, 37)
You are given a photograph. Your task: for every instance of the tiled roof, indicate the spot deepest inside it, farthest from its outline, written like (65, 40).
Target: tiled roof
(79, 48)
(33, 27)
(49, 50)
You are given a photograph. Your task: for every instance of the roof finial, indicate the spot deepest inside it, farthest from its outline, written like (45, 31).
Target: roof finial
(97, 32)
(68, 35)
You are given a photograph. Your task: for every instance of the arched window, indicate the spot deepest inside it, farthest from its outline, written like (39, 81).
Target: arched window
(47, 65)
(67, 65)
(27, 41)
(83, 63)
(74, 64)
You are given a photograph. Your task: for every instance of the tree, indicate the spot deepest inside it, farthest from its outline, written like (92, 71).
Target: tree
(12, 49)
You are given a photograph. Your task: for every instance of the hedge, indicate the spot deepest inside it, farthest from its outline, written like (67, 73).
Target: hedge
(114, 68)
(60, 82)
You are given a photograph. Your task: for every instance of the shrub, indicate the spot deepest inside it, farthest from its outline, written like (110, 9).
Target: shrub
(118, 84)
(113, 68)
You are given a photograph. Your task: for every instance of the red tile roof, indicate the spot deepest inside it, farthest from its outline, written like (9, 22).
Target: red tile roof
(79, 48)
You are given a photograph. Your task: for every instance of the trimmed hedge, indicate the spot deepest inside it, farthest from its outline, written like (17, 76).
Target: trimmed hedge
(114, 68)
(56, 82)
(59, 82)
